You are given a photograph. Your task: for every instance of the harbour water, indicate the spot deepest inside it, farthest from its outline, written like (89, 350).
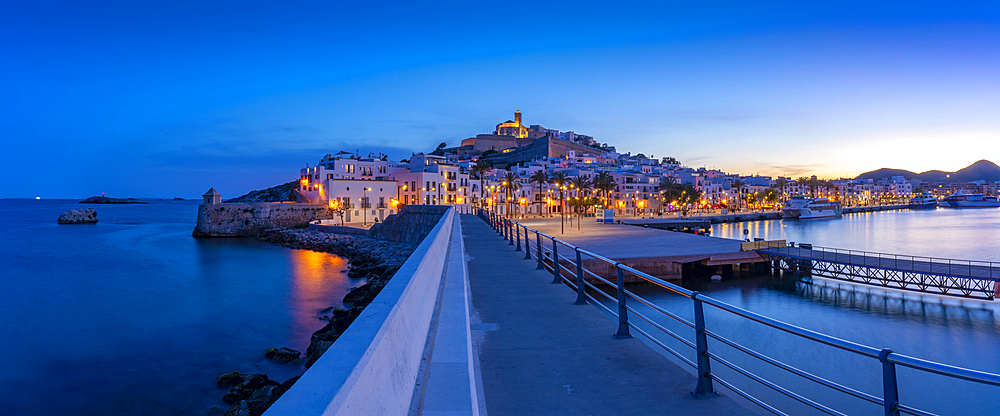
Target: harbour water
(953, 331)
(133, 316)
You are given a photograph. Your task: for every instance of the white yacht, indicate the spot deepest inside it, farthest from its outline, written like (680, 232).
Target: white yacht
(962, 200)
(924, 200)
(792, 207)
(820, 208)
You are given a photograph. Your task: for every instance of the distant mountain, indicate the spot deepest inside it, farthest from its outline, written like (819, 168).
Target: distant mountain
(981, 170)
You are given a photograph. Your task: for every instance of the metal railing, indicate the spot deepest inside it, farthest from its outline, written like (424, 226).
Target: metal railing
(951, 267)
(570, 270)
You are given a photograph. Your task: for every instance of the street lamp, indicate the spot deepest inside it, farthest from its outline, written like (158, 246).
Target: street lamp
(364, 206)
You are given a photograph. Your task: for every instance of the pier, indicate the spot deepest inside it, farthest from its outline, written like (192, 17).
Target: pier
(948, 277)
(664, 254)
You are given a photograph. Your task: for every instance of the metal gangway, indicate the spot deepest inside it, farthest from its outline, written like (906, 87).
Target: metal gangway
(948, 277)
(566, 263)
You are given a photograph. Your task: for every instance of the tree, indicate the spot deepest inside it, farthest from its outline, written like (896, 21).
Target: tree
(670, 160)
(738, 184)
(439, 151)
(770, 196)
(541, 178)
(780, 183)
(606, 183)
(510, 187)
(559, 179)
(807, 182)
(479, 172)
(581, 184)
(668, 189)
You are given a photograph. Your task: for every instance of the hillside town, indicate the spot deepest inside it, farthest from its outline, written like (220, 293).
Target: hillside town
(532, 171)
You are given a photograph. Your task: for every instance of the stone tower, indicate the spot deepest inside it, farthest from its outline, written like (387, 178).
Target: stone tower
(211, 197)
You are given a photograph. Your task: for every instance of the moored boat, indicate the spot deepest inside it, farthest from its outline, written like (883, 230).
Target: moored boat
(923, 200)
(820, 208)
(791, 208)
(962, 200)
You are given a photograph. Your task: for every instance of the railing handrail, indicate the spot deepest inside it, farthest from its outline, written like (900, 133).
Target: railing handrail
(889, 255)
(888, 357)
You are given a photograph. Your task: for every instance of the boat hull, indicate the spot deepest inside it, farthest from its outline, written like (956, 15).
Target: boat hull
(969, 204)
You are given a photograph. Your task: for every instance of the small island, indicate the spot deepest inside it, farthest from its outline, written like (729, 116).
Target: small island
(106, 200)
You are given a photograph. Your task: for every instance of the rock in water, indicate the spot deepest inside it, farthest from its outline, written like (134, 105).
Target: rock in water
(282, 355)
(78, 216)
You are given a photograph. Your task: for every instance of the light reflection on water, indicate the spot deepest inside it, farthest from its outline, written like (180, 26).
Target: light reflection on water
(133, 316)
(953, 331)
(317, 279)
(968, 234)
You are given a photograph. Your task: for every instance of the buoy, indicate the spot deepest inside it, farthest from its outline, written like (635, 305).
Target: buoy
(716, 277)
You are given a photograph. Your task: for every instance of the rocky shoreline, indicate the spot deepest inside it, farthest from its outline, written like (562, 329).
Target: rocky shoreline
(372, 259)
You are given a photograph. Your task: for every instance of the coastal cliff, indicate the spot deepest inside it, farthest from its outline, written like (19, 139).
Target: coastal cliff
(281, 193)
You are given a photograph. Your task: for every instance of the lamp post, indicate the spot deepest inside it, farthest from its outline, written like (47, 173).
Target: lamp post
(365, 205)
(562, 210)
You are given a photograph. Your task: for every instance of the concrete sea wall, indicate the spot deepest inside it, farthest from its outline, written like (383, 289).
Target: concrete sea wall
(410, 225)
(373, 367)
(238, 220)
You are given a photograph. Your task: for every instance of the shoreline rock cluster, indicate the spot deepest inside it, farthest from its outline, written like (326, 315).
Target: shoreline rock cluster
(371, 259)
(78, 216)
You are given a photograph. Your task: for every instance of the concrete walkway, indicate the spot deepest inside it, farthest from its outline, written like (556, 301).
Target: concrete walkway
(542, 355)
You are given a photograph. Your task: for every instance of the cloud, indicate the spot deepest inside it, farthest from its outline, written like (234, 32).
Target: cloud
(792, 170)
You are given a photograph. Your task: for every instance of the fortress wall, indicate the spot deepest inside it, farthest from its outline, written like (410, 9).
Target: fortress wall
(238, 220)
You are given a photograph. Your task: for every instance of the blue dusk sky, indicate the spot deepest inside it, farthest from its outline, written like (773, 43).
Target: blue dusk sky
(162, 99)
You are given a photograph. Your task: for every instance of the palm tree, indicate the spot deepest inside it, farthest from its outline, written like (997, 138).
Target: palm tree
(605, 182)
(510, 187)
(559, 179)
(738, 184)
(780, 183)
(808, 182)
(581, 184)
(668, 190)
(540, 177)
(479, 172)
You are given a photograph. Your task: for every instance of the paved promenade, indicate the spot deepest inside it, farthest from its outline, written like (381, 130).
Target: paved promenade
(619, 241)
(542, 355)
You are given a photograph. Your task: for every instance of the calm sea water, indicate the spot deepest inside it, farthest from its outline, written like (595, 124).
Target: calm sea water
(958, 332)
(133, 316)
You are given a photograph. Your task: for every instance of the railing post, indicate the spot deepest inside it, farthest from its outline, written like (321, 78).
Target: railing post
(704, 387)
(890, 393)
(622, 311)
(517, 232)
(505, 228)
(581, 294)
(510, 232)
(527, 245)
(556, 278)
(538, 250)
